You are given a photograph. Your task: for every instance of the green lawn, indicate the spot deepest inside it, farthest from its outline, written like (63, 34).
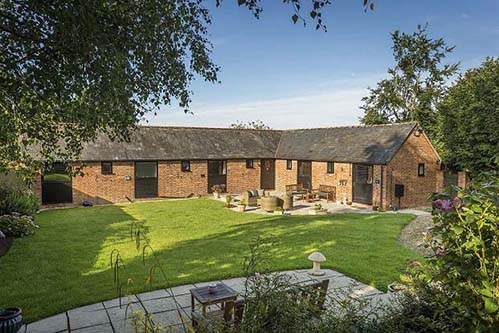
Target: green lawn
(66, 263)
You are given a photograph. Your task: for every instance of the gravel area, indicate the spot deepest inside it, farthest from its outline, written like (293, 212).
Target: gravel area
(412, 235)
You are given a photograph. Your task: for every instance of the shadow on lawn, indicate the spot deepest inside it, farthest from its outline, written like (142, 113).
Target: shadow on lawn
(368, 254)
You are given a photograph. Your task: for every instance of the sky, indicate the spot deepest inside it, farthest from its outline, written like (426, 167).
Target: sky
(291, 76)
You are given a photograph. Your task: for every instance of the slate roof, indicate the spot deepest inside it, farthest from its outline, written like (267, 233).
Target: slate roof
(184, 143)
(355, 144)
(359, 144)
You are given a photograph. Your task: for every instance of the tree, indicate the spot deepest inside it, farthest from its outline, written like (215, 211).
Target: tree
(257, 124)
(72, 69)
(415, 85)
(470, 120)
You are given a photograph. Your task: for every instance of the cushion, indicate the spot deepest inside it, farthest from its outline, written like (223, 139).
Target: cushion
(254, 193)
(250, 194)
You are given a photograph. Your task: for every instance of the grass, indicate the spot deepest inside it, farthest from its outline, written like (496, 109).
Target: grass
(66, 264)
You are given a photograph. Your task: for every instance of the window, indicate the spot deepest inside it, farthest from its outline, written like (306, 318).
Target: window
(222, 168)
(289, 164)
(421, 170)
(330, 167)
(106, 168)
(249, 164)
(186, 166)
(146, 170)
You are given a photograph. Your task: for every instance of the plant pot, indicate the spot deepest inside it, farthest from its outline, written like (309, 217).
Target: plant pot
(349, 203)
(11, 320)
(375, 208)
(228, 205)
(5, 244)
(242, 208)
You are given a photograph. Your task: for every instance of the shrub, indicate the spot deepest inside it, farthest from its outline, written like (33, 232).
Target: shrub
(16, 225)
(18, 201)
(462, 277)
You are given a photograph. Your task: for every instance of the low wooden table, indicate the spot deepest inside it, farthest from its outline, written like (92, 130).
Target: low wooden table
(221, 295)
(310, 197)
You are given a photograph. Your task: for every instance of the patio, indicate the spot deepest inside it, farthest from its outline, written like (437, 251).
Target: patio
(304, 207)
(165, 305)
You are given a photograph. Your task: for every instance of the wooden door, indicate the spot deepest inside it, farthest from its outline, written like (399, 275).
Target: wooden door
(305, 174)
(362, 183)
(267, 174)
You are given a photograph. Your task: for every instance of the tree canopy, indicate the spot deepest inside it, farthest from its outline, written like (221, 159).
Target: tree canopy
(416, 84)
(470, 120)
(71, 69)
(256, 124)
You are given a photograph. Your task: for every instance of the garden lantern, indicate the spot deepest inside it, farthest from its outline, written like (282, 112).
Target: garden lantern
(316, 258)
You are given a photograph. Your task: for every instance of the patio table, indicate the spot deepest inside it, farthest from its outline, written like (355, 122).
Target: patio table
(221, 295)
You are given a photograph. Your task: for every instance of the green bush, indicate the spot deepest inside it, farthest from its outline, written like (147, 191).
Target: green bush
(463, 275)
(16, 225)
(15, 200)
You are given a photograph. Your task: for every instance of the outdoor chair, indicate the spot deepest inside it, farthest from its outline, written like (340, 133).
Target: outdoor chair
(327, 192)
(296, 189)
(314, 294)
(251, 197)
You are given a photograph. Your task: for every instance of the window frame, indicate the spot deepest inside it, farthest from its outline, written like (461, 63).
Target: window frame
(289, 164)
(185, 166)
(222, 168)
(330, 167)
(421, 167)
(106, 173)
(250, 164)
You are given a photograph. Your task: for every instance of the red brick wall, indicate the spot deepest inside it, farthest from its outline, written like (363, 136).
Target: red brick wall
(342, 171)
(283, 176)
(173, 182)
(97, 188)
(403, 169)
(240, 178)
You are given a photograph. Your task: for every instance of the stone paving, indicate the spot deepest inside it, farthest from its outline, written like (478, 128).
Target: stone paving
(166, 304)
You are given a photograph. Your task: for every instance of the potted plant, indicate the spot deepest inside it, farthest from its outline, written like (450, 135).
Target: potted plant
(228, 200)
(11, 320)
(242, 205)
(349, 202)
(318, 210)
(217, 189)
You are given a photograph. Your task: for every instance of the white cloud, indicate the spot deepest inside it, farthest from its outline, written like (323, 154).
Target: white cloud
(334, 103)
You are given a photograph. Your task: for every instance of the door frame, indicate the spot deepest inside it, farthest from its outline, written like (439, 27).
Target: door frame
(369, 200)
(57, 187)
(135, 179)
(272, 161)
(218, 175)
(298, 163)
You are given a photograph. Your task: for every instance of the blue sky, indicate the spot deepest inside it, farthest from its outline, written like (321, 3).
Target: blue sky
(290, 76)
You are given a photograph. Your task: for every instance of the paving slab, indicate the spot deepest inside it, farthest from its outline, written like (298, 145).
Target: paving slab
(161, 293)
(104, 328)
(106, 316)
(57, 323)
(81, 318)
(160, 305)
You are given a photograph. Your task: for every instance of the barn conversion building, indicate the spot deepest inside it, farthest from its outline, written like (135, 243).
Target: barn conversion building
(366, 164)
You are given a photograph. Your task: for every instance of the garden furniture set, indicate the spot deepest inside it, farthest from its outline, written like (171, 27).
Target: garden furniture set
(231, 309)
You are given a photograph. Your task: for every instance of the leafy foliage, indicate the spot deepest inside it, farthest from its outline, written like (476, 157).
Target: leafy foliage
(464, 273)
(470, 120)
(18, 201)
(16, 225)
(69, 71)
(415, 85)
(257, 124)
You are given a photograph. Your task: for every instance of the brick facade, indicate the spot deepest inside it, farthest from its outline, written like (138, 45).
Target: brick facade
(403, 169)
(173, 182)
(97, 188)
(284, 176)
(341, 178)
(240, 178)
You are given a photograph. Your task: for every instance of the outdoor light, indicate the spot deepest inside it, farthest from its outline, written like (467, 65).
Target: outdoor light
(316, 258)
